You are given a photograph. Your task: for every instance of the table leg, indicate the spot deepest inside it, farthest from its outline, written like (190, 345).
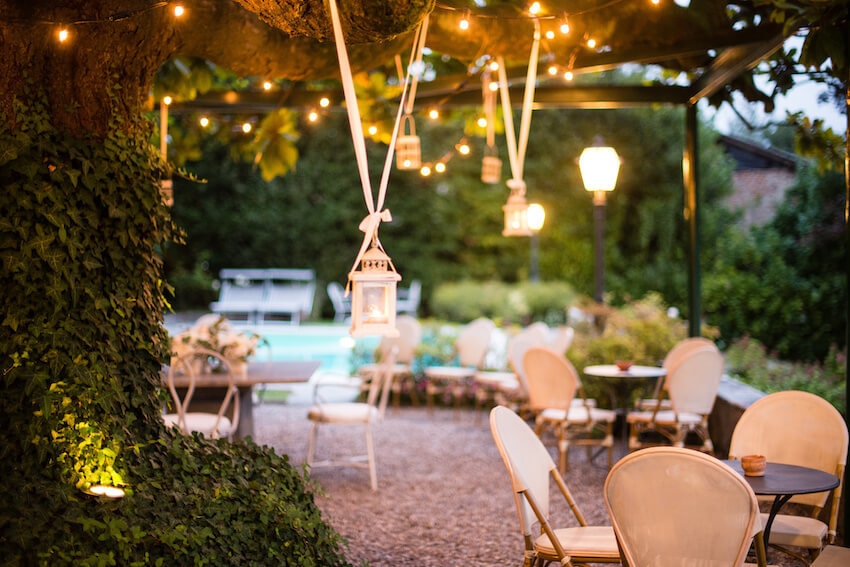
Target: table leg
(246, 413)
(778, 502)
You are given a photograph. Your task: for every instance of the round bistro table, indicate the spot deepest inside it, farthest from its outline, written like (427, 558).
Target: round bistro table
(784, 481)
(621, 383)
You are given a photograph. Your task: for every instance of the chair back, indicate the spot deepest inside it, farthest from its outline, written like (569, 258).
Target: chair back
(552, 379)
(473, 342)
(407, 341)
(342, 306)
(539, 330)
(693, 382)
(528, 463)
(563, 339)
(518, 345)
(185, 369)
(794, 428)
(683, 347)
(381, 381)
(673, 507)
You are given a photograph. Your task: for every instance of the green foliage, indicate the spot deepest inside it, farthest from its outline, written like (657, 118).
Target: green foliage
(82, 343)
(275, 141)
(748, 361)
(525, 302)
(784, 283)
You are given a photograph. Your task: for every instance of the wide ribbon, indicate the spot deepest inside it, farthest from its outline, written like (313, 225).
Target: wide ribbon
(376, 210)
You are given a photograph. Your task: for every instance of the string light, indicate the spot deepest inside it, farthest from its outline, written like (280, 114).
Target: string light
(655, 2)
(166, 99)
(494, 86)
(373, 130)
(324, 102)
(178, 11)
(550, 34)
(553, 70)
(63, 35)
(534, 9)
(425, 171)
(246, 127)
(433, 114)
(463, 149)
(565, 26)
(267, 85)
(568, 76)
(204, 121)
(482, 122)
(440, 167)
(591, 43)
(464, 21)
(313, 116)
(494, 66)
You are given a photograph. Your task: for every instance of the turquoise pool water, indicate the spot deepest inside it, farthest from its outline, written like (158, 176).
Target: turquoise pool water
(329, 343)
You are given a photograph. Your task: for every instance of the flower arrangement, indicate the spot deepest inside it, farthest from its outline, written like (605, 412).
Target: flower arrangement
(215, 332)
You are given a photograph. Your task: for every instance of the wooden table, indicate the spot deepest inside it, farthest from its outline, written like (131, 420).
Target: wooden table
(271, 372)
(784, 481)
(621, 383)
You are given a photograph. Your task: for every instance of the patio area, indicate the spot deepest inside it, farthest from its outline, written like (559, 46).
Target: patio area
(444, 495)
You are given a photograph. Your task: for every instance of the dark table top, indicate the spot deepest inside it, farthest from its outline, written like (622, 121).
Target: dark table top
(782, 479)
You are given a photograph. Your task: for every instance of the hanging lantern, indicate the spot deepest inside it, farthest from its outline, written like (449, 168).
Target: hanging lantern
(373, 292)
(407, 146)
(516, 211)
(491, 166)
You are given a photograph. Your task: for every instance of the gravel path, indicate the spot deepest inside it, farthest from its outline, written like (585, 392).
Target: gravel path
(443, 496)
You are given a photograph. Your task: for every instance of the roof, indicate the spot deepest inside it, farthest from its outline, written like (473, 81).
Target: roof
(749, 155)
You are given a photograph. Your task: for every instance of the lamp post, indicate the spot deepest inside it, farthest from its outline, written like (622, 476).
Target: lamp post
(536, 216)
(599, 165)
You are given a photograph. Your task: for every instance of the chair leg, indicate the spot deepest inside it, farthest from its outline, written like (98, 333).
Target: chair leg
(370, 452)
(311, 442)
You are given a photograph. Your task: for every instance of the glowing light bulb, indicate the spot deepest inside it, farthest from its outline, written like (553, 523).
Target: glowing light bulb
(550, 34)
(534, 9)
(63, 34)
(425, 171)
(407, 163)
(110, 491)
(373, 130)
(178, 11)
(433, 114)
(440, 167)
(565, 28)
(494, 86)
(494, 66)
(568, 76)
(246, 127)
(591, 43)
(166, 100)
(324, 102)
(464, 24)
(204, 121)
(312, 117)
(655, 2)
(463, 148)
(482, 122)
(553, 70)
(267, 85)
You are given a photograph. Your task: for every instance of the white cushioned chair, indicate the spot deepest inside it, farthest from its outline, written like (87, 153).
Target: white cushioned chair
(407, 341)
(530, 468)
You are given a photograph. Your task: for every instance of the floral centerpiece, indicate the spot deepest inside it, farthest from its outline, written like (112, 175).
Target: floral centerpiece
(214, 332)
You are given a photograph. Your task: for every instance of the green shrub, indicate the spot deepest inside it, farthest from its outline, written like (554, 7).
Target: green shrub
(749, 362)
(192, 289)
(517, 303)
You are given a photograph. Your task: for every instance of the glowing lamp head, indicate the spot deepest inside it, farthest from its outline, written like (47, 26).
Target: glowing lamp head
(536, 216)
(373, 289)
(179, 11)
(599, 167)
(166, 100)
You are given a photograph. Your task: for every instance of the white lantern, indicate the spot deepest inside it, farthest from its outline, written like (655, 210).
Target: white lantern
(407, 146)
(491, 167)
(373, 290)
(516, 212)
(599, 166)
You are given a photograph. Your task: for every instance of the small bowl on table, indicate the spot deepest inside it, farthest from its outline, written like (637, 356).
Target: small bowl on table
(623, 365)
(753, 465)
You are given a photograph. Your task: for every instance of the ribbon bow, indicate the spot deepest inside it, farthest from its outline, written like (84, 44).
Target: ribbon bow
(517, 186)
(369, 226)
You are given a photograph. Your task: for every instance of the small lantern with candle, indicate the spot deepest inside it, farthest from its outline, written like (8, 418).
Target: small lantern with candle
(516, 211)
(407, 146)
(491, 166)
(374, 295)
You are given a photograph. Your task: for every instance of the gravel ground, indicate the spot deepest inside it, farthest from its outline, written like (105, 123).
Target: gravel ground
(443, 497)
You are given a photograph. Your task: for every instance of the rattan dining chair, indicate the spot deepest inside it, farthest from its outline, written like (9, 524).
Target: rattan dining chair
(531, 468)
(674, 355)
(797, 428)
(188, 366)
(672, 507)
(354, 413)
(553, 385)
(692, 386)
(471, 347)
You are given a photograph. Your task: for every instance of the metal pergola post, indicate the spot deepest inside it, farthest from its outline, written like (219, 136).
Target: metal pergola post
(691, 213)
